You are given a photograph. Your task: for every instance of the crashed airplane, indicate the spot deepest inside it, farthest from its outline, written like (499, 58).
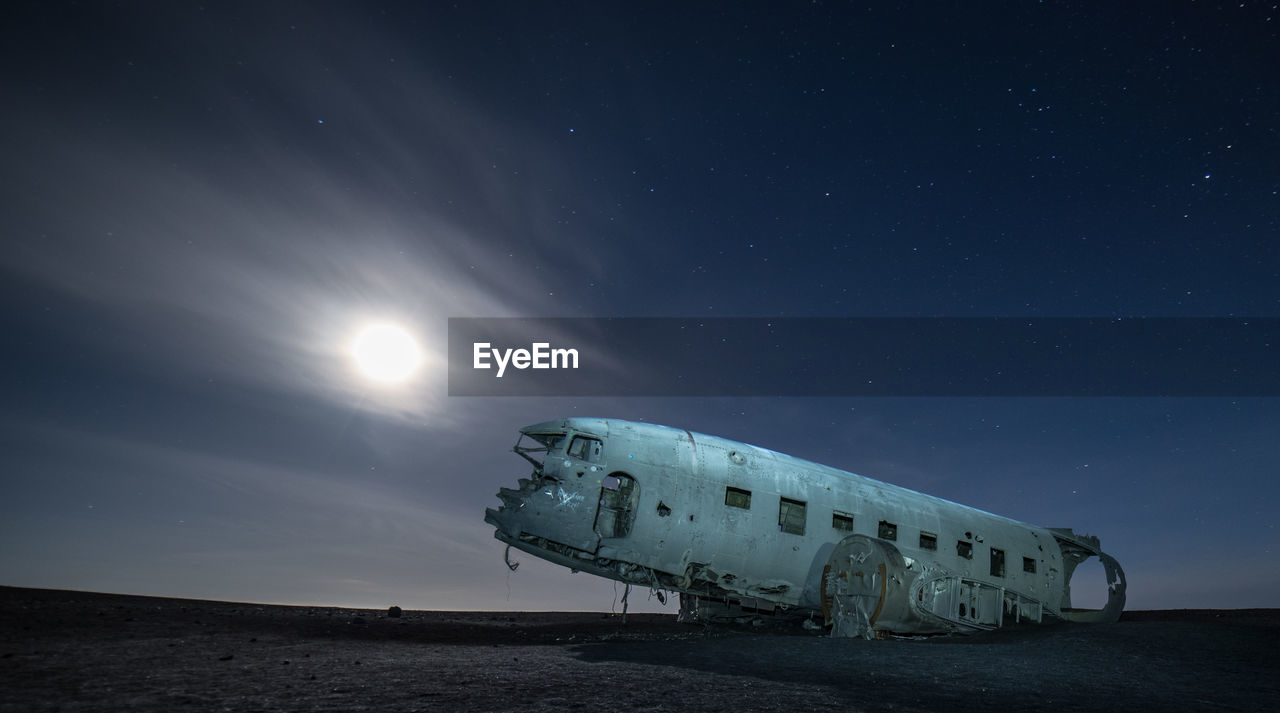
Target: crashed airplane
(741, 531)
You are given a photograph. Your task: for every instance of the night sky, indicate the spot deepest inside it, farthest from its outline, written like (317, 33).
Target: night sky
(204, 204)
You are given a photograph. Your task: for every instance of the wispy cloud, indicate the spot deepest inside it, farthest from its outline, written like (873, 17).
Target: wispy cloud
(246, 226)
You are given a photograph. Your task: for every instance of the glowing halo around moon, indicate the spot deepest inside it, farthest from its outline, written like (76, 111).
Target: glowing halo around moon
(386, 353)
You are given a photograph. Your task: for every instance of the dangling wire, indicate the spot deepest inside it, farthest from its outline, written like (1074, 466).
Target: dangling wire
(506, 557)
(655, 588)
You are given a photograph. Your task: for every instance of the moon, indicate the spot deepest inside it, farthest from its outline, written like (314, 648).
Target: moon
(386, 353)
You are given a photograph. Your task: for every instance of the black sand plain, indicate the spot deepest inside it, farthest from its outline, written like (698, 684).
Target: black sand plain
(73, 651)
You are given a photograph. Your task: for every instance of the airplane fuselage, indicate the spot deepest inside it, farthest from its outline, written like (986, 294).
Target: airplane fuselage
(735, 527)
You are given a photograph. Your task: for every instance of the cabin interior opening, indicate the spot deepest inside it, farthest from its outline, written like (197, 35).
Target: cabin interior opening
(618, 496)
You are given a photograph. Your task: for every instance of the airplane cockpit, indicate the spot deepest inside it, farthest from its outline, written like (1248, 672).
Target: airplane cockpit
(571, 501)
(545, 439)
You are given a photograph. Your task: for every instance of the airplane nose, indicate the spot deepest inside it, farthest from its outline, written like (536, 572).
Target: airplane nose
(495, 518)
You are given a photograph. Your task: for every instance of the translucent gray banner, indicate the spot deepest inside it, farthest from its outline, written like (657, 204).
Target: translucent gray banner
(864, 357)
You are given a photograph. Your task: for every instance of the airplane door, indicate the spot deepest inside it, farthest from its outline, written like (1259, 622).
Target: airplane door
(617, 512)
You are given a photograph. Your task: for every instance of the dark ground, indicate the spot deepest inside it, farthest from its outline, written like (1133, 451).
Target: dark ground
(72, 651)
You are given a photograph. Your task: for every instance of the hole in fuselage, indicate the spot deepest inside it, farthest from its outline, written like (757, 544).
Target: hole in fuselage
(1089, 585)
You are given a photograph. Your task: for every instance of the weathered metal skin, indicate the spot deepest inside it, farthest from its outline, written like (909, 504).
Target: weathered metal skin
(743, 531)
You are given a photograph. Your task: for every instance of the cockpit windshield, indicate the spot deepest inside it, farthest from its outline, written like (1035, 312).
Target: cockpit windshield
(534, 447)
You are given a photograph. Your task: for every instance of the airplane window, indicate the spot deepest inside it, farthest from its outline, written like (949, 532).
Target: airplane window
(584, 448)
(928, 541)
(997, 562)
(888, 530)
(791, 516)
(964, 549)
(842, 521)
(1028, 565)
(737, 497)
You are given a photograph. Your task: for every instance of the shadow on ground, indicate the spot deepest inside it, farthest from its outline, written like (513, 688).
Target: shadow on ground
(1190, 660)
